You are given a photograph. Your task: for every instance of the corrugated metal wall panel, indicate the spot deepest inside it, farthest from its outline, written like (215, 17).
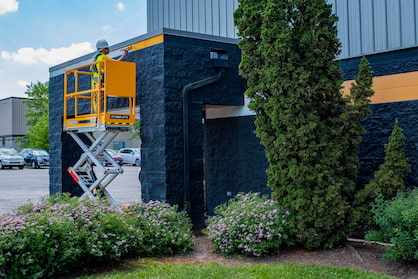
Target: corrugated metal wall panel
(408, 22)
(364, 26)
(380, 33)
(366, 21)
(213, 17)
(394, 24)
(183, 15)
(372, 26)
(230, 29)
(12, 113)
(208, 19)
(6, 116)
(354, 27)
(216, 18)
(416, 22)
(223, 15)
(341, 9)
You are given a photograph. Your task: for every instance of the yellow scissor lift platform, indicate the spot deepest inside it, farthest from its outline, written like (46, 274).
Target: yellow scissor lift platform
(116, 79)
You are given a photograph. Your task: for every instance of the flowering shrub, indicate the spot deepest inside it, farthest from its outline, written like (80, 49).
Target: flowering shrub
(166, 231)
(249, 225)
(47, 238)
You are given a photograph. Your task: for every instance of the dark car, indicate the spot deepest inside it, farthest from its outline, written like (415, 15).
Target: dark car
(35, 157)
(115, 156)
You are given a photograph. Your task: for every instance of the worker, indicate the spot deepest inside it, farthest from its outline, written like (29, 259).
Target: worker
(103, 48)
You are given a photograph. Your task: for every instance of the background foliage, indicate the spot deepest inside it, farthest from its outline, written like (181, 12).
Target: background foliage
(37, 114)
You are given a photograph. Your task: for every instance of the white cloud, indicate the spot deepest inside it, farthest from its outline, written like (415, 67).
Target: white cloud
(23, 83)
(31, 56)
(106, 27)
(121, 6)
(7, 6)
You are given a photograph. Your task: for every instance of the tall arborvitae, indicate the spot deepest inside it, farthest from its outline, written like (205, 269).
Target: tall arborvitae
(289, 49)
(388, 180)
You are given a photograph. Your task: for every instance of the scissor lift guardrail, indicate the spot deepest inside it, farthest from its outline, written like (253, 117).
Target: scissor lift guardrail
(86, 113)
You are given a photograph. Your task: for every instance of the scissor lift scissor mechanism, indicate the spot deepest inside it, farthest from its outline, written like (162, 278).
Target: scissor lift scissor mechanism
(93, 130)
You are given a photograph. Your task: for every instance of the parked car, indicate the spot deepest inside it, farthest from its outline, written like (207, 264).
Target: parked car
(131, 156)
(10, 158)
(115, 156)
(35, 157)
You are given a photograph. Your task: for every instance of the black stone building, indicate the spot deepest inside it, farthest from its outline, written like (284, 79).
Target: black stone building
(198, 142)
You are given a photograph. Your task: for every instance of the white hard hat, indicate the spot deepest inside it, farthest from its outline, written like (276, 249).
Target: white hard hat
(102, 44)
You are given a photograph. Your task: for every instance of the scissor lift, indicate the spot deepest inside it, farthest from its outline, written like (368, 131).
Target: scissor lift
(86, 117)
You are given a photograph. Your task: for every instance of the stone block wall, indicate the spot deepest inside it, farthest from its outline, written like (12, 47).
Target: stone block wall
(163, 70)
(380, 124)
(235, 160)
(187, 60)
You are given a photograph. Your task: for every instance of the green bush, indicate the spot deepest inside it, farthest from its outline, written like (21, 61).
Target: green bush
(249, 225)
(47, 238)
(398, 224)
(166, 231)
(309, 130)
(388, 180)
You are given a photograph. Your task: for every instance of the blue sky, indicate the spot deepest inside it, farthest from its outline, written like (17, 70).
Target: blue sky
(38, 34)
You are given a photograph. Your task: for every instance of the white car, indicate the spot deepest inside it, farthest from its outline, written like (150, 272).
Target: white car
(10, 158)
(131, 156)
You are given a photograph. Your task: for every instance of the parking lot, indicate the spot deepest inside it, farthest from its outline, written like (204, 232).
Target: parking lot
(19, 186)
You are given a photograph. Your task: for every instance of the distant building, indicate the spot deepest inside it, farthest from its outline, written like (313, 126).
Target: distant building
(12, 115)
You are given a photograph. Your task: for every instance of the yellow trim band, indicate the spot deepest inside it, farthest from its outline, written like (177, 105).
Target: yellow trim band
(148, 42)
(391, 88)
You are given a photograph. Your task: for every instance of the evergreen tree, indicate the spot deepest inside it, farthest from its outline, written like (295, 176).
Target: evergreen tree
(289, 49)
(388, 180)
(37, 135)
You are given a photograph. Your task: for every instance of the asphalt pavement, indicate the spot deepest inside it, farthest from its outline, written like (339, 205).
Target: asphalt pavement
(17, 187)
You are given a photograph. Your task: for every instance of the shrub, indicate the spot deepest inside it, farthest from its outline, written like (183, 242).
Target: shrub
(398, 223)
(47, 238)
(249, 225)
(388, 180)
(166, 231)
(43, 239)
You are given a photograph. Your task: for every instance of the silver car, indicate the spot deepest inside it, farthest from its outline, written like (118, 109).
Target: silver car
(10, 158)
(131, 156)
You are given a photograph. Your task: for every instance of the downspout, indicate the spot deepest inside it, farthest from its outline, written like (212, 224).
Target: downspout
(185, 92)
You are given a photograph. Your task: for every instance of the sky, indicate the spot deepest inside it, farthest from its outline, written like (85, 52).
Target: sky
(38, 34)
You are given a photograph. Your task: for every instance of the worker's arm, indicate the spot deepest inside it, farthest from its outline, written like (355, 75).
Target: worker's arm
(125, 52)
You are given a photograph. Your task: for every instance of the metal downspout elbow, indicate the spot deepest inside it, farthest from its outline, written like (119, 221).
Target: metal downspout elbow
(185, 92)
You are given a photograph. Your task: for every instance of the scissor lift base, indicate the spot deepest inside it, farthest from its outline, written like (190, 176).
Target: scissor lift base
(82, 172)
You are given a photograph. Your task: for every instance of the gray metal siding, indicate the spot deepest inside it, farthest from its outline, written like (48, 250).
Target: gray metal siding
(6, 116)
(18, 117)
(373, 26)
(212, 17)
(364, 26)
(12, 111)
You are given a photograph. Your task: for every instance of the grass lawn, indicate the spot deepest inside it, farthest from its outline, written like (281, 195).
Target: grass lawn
(147, 269)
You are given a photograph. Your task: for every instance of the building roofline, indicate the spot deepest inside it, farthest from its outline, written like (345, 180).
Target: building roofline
(60, 68)
(22, 98)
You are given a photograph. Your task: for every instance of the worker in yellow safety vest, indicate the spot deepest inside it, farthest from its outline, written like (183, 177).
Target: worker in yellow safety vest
(103, 48)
